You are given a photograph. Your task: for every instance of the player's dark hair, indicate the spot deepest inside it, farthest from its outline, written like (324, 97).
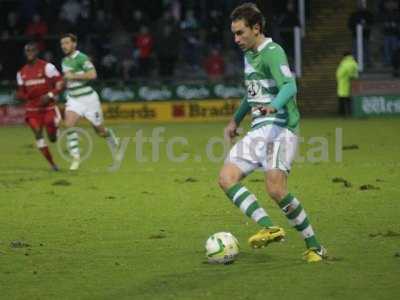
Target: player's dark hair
(72, 36)
(250, 14)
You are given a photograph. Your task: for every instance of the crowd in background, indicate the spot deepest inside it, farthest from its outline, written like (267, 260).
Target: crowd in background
(136, 39)
(168, 39)
(384, 16)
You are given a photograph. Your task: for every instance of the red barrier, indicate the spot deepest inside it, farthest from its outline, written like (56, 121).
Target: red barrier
(12, 115)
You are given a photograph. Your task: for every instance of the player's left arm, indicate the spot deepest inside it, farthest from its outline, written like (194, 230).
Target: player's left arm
(284, 79)
(56, 79)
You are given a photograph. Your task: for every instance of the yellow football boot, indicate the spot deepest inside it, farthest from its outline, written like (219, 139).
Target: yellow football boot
(315, 255)
(266, 236)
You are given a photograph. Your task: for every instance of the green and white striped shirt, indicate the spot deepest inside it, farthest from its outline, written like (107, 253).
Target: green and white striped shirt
(77, 63)
(265, 72)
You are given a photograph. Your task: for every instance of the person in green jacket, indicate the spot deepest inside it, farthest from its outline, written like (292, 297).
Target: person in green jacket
(346, 71)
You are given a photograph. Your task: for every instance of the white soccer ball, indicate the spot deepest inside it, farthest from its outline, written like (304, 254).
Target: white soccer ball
(222, 248)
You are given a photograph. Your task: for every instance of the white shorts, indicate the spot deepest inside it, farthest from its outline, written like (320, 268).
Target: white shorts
(268, 147)
(87, 106)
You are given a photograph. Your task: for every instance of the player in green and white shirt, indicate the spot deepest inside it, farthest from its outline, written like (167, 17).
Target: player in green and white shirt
(82, 99)
(271, 143)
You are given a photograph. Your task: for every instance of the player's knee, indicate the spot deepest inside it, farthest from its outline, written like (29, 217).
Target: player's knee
(276, 186)
(222, 182)
(226, 180)
(276, 191)
(101, 133)
(38, 134)
(69, 123)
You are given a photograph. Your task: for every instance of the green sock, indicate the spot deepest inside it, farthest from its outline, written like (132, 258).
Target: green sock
(73, 143)
(248, 204)
(110, 137)
(294, 211)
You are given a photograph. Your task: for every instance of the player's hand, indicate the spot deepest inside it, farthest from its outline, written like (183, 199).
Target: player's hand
(268, 110)
(230, 131)
(44, 100)
(69, 76)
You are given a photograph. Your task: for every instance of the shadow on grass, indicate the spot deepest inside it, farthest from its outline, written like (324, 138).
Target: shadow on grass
(210, 280)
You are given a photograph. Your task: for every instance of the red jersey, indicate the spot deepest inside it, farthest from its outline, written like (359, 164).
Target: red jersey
(214, 65)
(36, 80)
(145, 44)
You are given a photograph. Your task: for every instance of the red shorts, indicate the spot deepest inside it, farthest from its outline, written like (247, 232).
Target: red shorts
(46, 118)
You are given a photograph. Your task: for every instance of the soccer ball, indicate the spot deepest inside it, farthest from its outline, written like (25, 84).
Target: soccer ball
(222, 248)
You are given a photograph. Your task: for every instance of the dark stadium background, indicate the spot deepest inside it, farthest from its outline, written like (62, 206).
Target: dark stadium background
(188, 42)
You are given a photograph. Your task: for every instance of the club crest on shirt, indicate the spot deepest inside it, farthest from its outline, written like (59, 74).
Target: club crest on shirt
(286, 71)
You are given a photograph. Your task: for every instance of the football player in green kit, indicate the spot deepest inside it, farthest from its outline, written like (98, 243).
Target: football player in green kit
(82, 99)
(272, 141)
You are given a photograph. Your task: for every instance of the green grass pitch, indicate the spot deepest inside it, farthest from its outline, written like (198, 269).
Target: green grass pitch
(139, 232)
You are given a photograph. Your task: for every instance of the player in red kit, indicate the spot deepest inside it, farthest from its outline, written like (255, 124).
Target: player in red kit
(39, 83)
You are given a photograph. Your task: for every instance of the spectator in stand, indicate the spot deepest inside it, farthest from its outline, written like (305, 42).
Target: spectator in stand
(190, 22)
(49, 10)
(144, 43)
(214, 65)
(275, 29)
(99, 29)
(166, 46)
(215, 28)
(391, 30)
(13, 25)
(61, 25)
(120, 40)
(167, 19)
(139, 19)
(345, 73)
(84, 20)
(28, 8)
(128, 66)
(10, 60)
(365, 18)
(191, 39)
(71, 11)
(176, 9)
(37, 27)
(396, 63)
(108, 66)
(102, 22)
(287, 21)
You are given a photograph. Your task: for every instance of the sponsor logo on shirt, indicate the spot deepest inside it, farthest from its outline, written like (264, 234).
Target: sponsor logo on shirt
(253, 89)
(286, 71)
(31, 82)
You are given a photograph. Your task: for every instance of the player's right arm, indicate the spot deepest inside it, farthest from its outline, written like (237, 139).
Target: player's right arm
(230, 131)
(21, 91)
